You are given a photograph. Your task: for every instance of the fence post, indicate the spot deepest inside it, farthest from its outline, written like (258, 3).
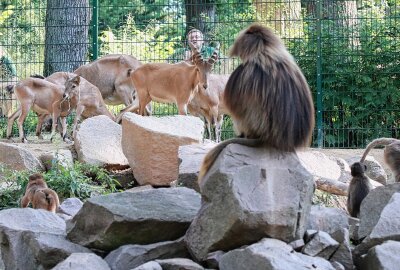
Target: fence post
(320, 129)
(95, 28)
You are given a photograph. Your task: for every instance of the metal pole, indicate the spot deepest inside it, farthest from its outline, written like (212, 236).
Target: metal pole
(320, 129)
(95, 29)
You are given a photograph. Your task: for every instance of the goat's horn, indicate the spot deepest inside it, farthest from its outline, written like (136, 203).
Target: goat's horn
(214, 56)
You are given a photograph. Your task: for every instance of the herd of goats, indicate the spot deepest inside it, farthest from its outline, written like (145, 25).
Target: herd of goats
(121, 79)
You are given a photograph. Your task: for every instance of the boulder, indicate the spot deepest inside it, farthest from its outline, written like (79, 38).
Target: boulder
(270, 254)
(25, 234)
(387, 228)
(98, 142)
(321, 245)
(249, 194)
(50, 249)
(131, 256)
(327, 219)
(384, 256)
(372, 206)
(61, 157)
(343, 254)
(70, 206)
(18, 158)
(179, 264)
(149, 266)
(151, 145)
(144, 217)
(190, 160)
(82, 261)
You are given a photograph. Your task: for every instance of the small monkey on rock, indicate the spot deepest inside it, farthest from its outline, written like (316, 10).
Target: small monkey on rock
(267, 96)
(39, 195)
(391, 154)
(359, 188)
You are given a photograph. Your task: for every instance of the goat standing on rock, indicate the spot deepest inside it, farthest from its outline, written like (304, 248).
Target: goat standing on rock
(172, 83)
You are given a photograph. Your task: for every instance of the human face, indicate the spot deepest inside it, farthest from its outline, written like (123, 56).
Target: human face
(196, 38)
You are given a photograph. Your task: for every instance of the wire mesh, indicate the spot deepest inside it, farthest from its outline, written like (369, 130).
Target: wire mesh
(348, 51)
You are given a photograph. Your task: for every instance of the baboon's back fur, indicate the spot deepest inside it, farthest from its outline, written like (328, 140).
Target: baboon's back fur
(267, 96)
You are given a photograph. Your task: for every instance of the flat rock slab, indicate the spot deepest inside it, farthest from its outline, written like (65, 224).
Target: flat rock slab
(143, 217)
(151, 145)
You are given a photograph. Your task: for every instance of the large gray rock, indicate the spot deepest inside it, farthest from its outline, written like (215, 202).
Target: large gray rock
(343, 254)
(179, 264)
(149, 266)
(191, 158)
(321, 245)
(60, 157)
(383, 257)
(82, 261)
(144, 217)
(18, 158)
(23, 236)
(131, 256)
(387, 228)
(151, 145)
(98, 142)
(70, 206)
(270, 254)
(372, 206)
(247, 195)
(327, 219)
(50, 249)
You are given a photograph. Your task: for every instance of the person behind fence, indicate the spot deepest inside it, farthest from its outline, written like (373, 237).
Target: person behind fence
(196, 37)
(8, 77)
(8, 72)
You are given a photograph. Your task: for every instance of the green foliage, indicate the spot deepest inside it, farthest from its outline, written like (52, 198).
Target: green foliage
(81, 181)
(360, 84)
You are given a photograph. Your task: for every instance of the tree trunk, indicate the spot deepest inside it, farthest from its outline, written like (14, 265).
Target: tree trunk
(200, 14)
(283, 16)
(67, 25)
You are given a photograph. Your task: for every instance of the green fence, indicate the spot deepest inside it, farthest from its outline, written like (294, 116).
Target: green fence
(349, 51)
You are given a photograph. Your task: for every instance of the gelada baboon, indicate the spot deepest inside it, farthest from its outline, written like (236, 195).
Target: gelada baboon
(267, 96)
(39, 195)
(359, 188)
(391, 154)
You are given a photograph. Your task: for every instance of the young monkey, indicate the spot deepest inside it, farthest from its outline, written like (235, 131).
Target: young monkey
(39, 195)
(359, 188)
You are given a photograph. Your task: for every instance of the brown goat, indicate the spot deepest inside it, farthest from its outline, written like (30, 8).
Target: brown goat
(171, 83)
(42, 97)
(111, 74)
(86, 98)
(209, 103)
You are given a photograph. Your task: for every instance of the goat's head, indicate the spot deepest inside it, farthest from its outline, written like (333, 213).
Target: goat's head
(72, 87)
(204, 66)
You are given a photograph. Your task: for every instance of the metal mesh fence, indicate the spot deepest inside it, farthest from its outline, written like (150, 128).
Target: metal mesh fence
(348, 50)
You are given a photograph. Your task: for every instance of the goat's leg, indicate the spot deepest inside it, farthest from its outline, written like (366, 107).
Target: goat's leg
(41, 119)
(78, 115)
(143, 101)
(64, 128)
(25, 107)
(218, 127)
(182, 108)
(11, 120)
